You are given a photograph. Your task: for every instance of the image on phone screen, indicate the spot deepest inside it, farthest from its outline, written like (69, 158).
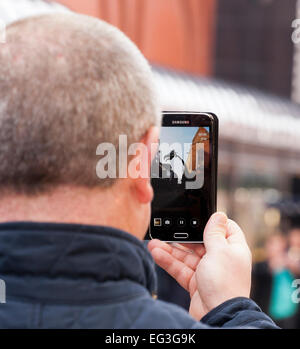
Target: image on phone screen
(183, 178)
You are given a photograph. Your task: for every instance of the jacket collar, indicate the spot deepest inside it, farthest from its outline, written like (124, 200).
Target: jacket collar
(73, 255)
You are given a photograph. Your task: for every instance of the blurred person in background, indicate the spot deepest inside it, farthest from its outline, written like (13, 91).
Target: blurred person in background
(272, 282)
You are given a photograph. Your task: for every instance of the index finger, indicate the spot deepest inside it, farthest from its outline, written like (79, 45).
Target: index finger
(177, 269)
(179, 252)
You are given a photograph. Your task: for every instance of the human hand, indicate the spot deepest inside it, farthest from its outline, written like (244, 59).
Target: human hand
(212, 273)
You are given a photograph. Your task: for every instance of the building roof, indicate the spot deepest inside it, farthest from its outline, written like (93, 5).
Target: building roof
(245, 114)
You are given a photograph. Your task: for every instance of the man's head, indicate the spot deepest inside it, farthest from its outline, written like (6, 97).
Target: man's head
(68, 83)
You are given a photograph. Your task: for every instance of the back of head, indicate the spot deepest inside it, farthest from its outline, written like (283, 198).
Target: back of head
(67, 83)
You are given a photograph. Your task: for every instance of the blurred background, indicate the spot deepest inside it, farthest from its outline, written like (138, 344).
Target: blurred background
(237, 59)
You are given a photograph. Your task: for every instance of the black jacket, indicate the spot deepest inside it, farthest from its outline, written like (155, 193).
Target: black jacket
(80, 276)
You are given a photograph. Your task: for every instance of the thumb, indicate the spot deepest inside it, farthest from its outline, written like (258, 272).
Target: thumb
(215, 231)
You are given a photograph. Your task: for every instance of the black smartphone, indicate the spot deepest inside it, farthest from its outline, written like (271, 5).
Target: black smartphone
(184, 177)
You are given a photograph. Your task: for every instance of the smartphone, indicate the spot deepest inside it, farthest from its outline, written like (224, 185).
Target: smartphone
(184, 177)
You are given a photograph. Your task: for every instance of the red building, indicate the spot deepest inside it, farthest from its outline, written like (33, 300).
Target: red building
(174, 33)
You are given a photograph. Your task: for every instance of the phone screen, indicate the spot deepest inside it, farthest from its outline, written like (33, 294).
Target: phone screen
(183, 176)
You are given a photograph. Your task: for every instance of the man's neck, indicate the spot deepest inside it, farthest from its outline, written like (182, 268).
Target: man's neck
(66, 204)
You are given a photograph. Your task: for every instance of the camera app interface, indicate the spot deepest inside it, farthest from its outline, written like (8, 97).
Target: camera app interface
(180, 178)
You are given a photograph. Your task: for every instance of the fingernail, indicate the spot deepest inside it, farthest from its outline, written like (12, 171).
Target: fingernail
(219, 218)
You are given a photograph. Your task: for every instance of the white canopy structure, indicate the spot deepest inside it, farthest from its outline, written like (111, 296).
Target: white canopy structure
(13, 10)
(246, 115)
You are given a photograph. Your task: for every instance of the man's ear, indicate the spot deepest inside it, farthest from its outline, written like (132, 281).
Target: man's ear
(139, 166)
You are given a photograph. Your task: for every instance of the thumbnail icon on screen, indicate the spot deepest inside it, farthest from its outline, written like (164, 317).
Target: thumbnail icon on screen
(157, 222)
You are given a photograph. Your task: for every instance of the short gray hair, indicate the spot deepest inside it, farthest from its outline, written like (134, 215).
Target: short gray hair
(67, 83)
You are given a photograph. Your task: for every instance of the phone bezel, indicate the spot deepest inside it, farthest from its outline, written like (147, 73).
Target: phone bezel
(212, 120)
